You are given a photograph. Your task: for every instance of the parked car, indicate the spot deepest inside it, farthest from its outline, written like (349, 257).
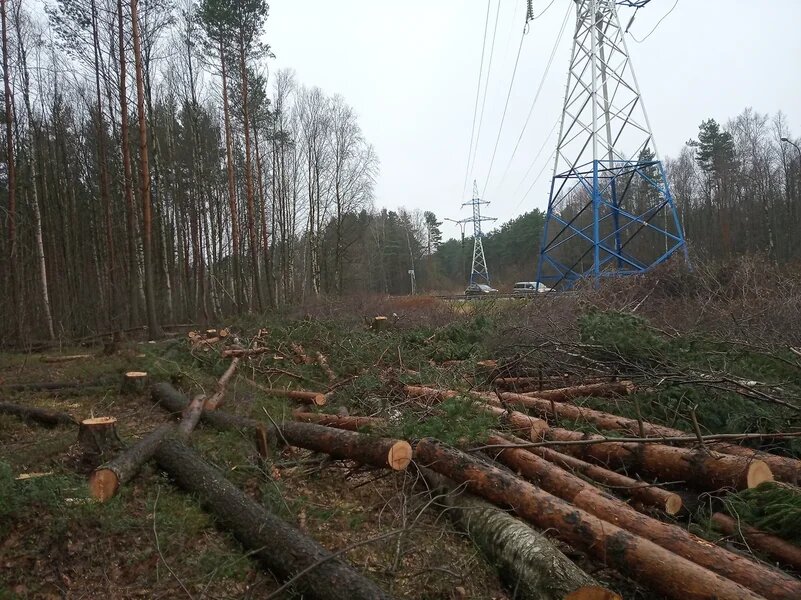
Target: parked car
(524, 288)
(478, 289)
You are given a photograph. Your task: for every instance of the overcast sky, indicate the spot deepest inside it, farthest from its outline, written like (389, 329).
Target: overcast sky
(410, 70)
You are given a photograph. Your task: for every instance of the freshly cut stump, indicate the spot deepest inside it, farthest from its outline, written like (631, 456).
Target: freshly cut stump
(134, 383)
(98, 437)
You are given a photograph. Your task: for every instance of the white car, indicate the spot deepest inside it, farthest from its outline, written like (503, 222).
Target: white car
(524, 288)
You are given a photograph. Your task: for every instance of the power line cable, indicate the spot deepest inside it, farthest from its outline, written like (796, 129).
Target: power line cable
(503, 116)
(539, 91)
(655, 26)
(478, 92)
(486, 87)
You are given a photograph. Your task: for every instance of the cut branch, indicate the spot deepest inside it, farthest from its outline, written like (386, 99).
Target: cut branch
(47, 417)
(775, 547)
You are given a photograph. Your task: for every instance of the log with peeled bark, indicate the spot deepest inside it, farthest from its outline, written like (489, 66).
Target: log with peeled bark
(105, 481)
(218, 396)
(528, 562)
(771, 545)
(280, 547)
(340, 444)
(768, 582)
(596, 390)
(337, 421)
(315, 398)
(45, 416)
(783, 468)
(699, 468)
(643, 560)
(650, 495)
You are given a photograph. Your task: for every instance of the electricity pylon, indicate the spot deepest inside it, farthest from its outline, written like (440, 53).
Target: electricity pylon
(479, 270)
(610, 210)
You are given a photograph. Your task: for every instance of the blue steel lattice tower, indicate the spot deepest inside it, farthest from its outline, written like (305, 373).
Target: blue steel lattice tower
(479, 270)
(610, 210)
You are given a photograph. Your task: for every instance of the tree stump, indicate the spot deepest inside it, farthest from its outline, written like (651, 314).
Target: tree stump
(98, 437)
(134, 383)
(379, 323)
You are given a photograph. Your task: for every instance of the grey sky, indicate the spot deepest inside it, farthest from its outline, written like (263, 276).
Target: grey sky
(410, 71)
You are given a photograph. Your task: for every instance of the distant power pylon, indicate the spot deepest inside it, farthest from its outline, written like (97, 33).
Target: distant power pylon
(479, 270)
(610, 210)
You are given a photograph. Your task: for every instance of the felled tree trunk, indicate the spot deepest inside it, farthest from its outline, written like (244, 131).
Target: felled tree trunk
(280, 547)
(650, 495)
(517, 422)
(134, 383)
(597, 390)
(64, 358)
(531, 566)
(218, 397)
(337, 421)
(315, 398)
(340, 444)
(775, 547)
(645, 561)
(98, 437)
(47, 417)
(701, 469)
(770, 583)
(784, 468)
(105, 481)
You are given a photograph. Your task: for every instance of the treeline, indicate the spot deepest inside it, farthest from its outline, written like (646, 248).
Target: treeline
(154, 174)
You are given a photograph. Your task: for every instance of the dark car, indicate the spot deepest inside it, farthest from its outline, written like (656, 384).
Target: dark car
(478, 289)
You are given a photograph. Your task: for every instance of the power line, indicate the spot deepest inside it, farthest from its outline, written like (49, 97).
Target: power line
(655, 26)
(503, 116)
(478, 90)
(539, 90)
(486, 86)
(545, 10)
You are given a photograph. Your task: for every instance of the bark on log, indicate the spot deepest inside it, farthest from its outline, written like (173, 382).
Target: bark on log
(45, 416)
(530, 565)
(340, 444)
(515, 421)
(279, 546)
(134, 383)
(53, 386)
(770, 583)
(218, 396)
(243, 352)
(300, 353)
(783, 468)
(548, 382)
(643, 560)
(323, 362)
(105, 481)
(315, 398)
(596, 390)
(701, 469)
(66, 358)
(649, 495)
(339, 422)
(775, 547)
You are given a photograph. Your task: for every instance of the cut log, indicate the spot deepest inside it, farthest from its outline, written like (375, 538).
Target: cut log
(784, 468)
(134, 383)
(773, 546)
(66, 358)
(315, 398)
(339, 422)
(528, 562)
(244, 352)
(340, 444)
(98, 437)
(105, 481)
(596, 390)
(515, 421)
(45, 416)
(643, 560)
(770, 583)
(280, 547)
(699, 468)
(218, 396)
(546, 382)
(649, 495)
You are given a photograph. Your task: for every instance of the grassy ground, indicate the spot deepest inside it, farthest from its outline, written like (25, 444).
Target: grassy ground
(155, 541)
